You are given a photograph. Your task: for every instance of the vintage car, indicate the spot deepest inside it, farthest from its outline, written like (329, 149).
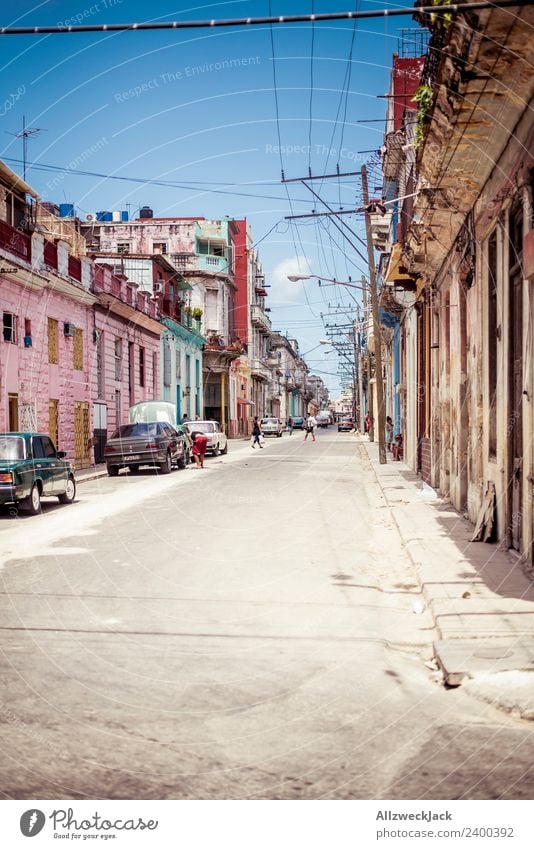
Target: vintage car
(217, 439)
(271, 426)
(145, 444)
(346, 424)
(298, 422)
(31, 468)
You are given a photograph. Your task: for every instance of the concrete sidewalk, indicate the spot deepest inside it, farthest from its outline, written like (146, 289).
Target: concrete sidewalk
(481, 600)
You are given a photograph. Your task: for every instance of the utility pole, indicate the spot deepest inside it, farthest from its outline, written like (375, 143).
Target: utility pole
(370, 402)
(376, 329)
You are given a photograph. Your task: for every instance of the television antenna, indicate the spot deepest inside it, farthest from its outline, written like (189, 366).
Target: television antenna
(25, 134)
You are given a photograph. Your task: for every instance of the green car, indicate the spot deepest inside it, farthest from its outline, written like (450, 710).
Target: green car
(31, 468)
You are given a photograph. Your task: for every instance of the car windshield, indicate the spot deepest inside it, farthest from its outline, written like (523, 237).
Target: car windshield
(141, 429)
(12, 448)
(269, 421)
(202, 427)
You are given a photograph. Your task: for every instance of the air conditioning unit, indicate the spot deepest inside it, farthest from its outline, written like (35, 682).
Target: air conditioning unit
(68, 329)
(91, 217)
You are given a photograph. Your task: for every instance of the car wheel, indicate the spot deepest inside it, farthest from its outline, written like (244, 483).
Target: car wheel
(182, 461)
(216, 451)
(166, 466)
(32, 504)
(225, 449)
(113, 471)
(69, 495)
(279, 435)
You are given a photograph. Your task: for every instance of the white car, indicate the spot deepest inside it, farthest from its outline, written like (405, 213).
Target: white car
(271, 426)
(217, 439)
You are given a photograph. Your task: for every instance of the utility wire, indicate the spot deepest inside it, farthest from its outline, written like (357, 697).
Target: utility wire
(262, 21)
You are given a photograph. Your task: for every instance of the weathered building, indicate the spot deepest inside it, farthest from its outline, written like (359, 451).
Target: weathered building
(466, 244)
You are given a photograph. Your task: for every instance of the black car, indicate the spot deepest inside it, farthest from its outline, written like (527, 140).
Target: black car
(145, 444)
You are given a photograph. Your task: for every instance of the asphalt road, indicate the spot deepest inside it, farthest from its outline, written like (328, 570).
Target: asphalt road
(250, 630)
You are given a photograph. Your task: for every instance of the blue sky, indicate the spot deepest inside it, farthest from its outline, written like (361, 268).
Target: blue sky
(198, 108)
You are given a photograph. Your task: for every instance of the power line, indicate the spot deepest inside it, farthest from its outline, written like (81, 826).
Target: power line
(269, 20)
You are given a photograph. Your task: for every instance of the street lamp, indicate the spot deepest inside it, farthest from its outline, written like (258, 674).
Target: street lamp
(321, 342)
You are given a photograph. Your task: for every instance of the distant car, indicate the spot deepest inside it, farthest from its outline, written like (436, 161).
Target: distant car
(217, 439)
(323, 418)
(345, 425)
(145, 444)
(271, 426)
(298, 423)
(31, 469)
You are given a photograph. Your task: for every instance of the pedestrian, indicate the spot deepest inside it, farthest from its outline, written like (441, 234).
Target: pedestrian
(290, 425)
(200, 444)
(311, 424)
(367, 423)
(389, 432)
(256, 433)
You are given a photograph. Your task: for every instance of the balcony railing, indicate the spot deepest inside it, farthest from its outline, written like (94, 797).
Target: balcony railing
(106, 282)
(15, 241)
(75, 268)
(259, 318)
(50, 254)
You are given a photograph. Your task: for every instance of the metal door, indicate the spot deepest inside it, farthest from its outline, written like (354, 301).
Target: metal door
(81, 434)
(516, 417)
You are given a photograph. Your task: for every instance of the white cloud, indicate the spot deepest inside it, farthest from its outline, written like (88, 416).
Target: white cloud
(283, 291)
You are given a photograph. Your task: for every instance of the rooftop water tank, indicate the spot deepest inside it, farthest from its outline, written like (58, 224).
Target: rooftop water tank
(124, 215)
(115, 215)
(66, 210)
(146, 212)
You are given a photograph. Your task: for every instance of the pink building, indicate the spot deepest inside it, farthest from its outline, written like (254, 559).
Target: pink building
(78, 345)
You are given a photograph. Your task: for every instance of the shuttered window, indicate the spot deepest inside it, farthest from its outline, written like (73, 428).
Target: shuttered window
(77, 349)
(53, 341)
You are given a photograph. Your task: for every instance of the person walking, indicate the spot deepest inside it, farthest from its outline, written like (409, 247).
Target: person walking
(200, 444)
(256, 433)
(290, 425)
(311, 424)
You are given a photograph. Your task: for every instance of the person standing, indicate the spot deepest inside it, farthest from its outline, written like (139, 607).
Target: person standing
(367, 422)
(200, 444)
(256, 433)
(389, 432)
(290, 425)
(311, 424)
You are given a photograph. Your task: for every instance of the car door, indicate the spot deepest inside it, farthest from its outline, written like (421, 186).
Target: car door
(59, 473)
(43, 468)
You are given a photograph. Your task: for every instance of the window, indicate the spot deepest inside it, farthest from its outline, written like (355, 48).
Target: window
(118, 359)
(42, 447)
(166, 363)
(159, 248)
(53, 341)
(123, 247)
(492, 342)
(141, 366)
(118, 404)
(77, 349)
(10, 327)
(155, 392)
(211, 248)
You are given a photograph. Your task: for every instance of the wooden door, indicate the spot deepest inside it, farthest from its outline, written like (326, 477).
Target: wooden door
(515, 484)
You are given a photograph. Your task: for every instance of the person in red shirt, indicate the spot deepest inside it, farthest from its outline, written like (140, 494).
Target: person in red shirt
(200, 444)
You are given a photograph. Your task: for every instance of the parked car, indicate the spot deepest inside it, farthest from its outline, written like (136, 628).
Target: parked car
(345, 424)
(323, 418)
(217, 439)
(31, 468)
(298, 423)
(145, 444)
(188, 443)
(271, 426)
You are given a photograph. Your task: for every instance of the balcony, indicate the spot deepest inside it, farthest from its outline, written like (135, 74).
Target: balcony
(115, 289)
(260, 370)
(259, 319)
(15, 241)
(207, 262)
